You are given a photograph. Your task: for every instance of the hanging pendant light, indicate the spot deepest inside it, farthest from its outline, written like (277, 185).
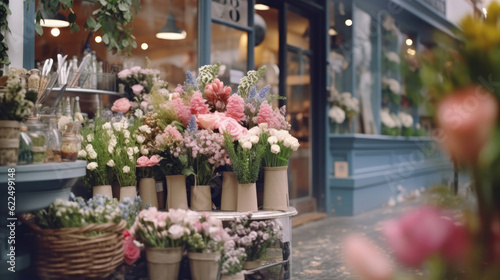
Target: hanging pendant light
(53, 20)
(170, 31)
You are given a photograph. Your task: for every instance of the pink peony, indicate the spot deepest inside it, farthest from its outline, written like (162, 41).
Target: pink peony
(232, 127)
(210, 121)
(467, 118)
(217, 94)
(154, 160)
(366, 260)
(235, 107)
(425, 232)
(143, 162)
(182, 111)
(198, 104)
(121, 105)
(137, 89)
(267, 115)
(130, 251)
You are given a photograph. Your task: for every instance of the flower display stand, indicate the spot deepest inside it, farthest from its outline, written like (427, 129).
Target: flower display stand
(285, 219)
(35, 186)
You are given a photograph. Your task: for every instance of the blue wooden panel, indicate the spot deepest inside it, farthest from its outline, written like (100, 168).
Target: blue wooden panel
(380, 166)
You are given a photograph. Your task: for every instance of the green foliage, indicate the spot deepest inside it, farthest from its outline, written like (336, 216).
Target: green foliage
(411, 79)
(207, 74)
(246, 162)
(4, 27)
(250, 80)
(113, 18)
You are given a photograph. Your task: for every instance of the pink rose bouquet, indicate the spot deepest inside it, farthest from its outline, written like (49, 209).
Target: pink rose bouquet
(207, 235)
(159, 229)
(130, 251)
(139, 81)
(170, 145)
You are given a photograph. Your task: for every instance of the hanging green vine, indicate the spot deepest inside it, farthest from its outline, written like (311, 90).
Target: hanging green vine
(113, 17)
(4, 28)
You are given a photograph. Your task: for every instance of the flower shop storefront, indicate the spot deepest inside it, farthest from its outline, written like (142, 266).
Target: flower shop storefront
(379, 145)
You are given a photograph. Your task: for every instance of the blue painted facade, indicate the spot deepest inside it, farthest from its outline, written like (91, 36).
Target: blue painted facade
(377, 165)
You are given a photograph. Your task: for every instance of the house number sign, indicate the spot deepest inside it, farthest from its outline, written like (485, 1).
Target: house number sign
(233, 11)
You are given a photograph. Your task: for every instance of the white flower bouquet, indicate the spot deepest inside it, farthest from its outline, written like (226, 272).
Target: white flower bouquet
(391, 91)
(97, 154)
(280, 146)
(14, 104)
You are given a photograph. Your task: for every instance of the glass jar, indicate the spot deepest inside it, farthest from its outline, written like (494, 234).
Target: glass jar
(36, 132)
(25, 153)
(69, 147)
(53, 139)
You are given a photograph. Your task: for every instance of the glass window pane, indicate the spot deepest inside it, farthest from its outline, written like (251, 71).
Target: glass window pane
(233, 11)
(298, 29)
(229, 47)
(171, 57)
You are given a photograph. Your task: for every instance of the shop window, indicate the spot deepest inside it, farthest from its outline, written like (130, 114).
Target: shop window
(172, 57)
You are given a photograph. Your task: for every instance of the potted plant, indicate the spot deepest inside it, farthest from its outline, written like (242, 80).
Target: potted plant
(254, 236)
(14, 108)
(279, 147)
(246, 157)
(113, 18)
(204, 246)
(232, 261)
(147, 184)
(164, 234)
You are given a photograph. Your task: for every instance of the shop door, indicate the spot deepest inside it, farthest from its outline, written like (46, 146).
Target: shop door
(288, 52)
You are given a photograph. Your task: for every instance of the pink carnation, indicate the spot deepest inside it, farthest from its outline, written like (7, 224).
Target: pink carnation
(137, 89)
(235, 107)
(130, 251)
(144, 106)
(210, 121)
(217, 94)
(198, 104)
(266, 115)
(182, 111)
(121, 105)
(232, 127)
(172, 131)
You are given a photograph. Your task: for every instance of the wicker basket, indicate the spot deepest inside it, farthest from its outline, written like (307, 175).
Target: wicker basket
(67, 253)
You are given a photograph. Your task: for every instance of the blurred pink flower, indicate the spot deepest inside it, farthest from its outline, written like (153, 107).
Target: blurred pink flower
(424, 232)
(217, 94)
(179, 89)
(235, 107)
(143, 161)
(124, 74)
(121, 105)
(366, 260)
(232, 127)
(137, 89)
(171, 131)
(210, 121)
(182, 111)
(154, 160)
(144, 106)
(130, 251)
(266, 115)
(175, 95)
(198, 104)
(467, 118)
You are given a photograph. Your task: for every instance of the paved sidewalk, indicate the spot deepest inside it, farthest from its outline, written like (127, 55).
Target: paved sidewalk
(317, 250)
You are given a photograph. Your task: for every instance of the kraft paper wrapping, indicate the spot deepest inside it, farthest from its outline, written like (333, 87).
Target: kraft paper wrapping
(104, 190)
(201, 198)
(276, 188)
(147, 191)
(129, 191)
(229, 196)
(164, 263)
(176, 192)
(247, 198)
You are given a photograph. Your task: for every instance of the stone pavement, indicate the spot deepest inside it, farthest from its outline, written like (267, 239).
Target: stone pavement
(317, 246)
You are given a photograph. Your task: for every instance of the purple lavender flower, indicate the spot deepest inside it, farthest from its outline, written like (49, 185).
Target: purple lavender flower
(190, 80)
(263, 92)
(192, 127)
